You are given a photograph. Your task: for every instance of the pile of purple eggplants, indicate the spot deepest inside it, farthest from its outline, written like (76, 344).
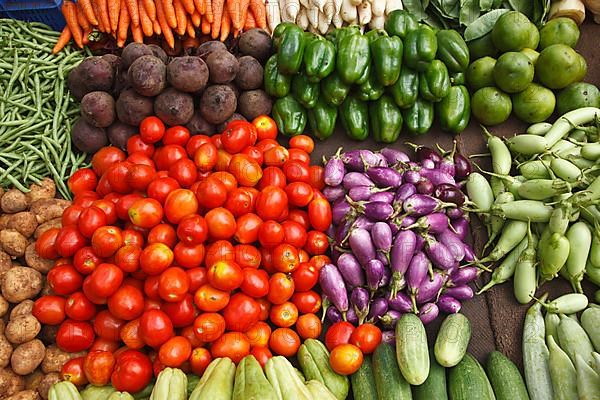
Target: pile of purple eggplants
(399, 230)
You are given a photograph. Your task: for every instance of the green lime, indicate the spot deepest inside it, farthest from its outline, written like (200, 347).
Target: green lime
(513, 72)
(481, 73)
(513, 31)
(491, 106)
(577, 95)
(531, 54)
(534, 104)
(484, 46)
(558, 66)
(561, 30)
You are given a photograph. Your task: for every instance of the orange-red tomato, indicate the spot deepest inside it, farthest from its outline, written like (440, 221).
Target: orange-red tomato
(271, 203)
(130, 335)
(209, 326)
(205, 157)
(128, 258)
(285, 342)
(238, 202)
(234, 345)
(98, 366)
(281, 288)
(175, 351)
(82, 180)
(276, 156)
(126, 303)
(302, 142)
(180, 203)
(226, 178)
(285, 258)
(262, 354)
(199, 360)
(211, 193)
(247, 256)
(366, 337)
(299, 193)
(284, 315)
(309, 326)
(270, 233)
(173, 284)
(246, 171)
(106, 240)
(194, 144)
(305, 277)
(192, 229)
(155, 258)
(338, 333)
(105, 157)
(255, 283)
(225, 275)
(73, 371)
(221, 223)
(319, 214)
(272, 176)
(189, 256)
(247, 228)
(236, 136)
(346, 359)
(162, 233)
(209, 299)
(146, 213)
(266, 128)
(307, 302)
(265, 307)
(259, 334)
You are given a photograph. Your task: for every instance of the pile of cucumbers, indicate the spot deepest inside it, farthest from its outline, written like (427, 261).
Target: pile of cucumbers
(380, 83)
(412, 372)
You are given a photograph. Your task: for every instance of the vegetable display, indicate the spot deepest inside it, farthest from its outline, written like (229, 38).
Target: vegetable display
(380, 83)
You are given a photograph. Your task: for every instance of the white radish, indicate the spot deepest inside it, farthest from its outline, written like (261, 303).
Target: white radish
(329, 10)
(302, 19)
(364, 13)
(305, 3)
(356, 3)
(378, 7)
(337, 20)
(313, 29)
(392, 5)
(323, 24)
(312, 13)
(349, 12)
(377, 22)
(273, 14)
(320, 4)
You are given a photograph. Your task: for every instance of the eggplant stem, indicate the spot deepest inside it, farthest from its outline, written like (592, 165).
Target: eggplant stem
(480, 155)
(487, 286)
(413, 300)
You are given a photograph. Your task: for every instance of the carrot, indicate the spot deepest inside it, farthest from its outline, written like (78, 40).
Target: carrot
(196, 19)
(169, 13)
(150, 8)
(162, 20)
(225, 25)
(62, 41)
(114, 9)
(200, 6)
(156, 27)
(218, 11)
(259, 12)
(206, 26)
(96, 9)
(138, 35)
(81, 19)
(189, 6)
(69, 10)
(235, 12)
(250, 22)
(88, 10)
(134, 14)
(245, 5)
(181, 17)
(145, 21)
(103, 11)
(189, 27)
(210, 12)
(123, 27)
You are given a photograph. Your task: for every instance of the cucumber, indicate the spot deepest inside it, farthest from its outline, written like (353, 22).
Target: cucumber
(452, 340)
(389, 382)
(468, 381)
(363, 381)
(505, 378)
(412, 351)
(434, 387)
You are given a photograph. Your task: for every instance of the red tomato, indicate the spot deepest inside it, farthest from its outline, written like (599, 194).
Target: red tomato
(319, 261)
(189, 256)
(258, 334)
(211, 193)
(272, 176)
(225, 275)
(105, 280)
(136, 144)
(235, 137)
(132, 373)
(262, 354)
(152, 129)
(307, 302)
(285, 258)
(302, 142)
(366, 337)
(338, 333)
(91, 219)
(346, 359)
(74, 336)
(71, 215)
(176, 135)
(192, 229)
(265, 308)
(168, 155)
(107, 326)
(309, 326)
(79, 308)
(128, 258)
(299, 193)
(266, 127)
(241, 312)
(162, 233)
(173, 284)
(82, 180)
(155, 327)
(209, 326)
(317, 243)
(299, 155)
(271, 203)
(266, 144)
(139, 158)
(285, 342)
(188, 332)
(85, 260)
(160, 188)
(305, 277)
(276, 156)
(270, 234)
(284, 315)
(98, 366)
(238, 202)
(205, 157)
(145, 213)
(117, 177)
(105, 157)
(181, 313)
(156, 258)
(49, 310)
(151, 287)
(296, 171)
(266, 259)
(199, 360)
(223, 160)
(255, 283)
(180, 203)
(209, 299)
(140, 176)
(219, 250)
(194, 144)
(319, 214)
(175, 351)
(184, 171)
(106, 240)
(109, 208)
(132, 238)
(130, 335)
(126, 303)
(72, 371)
(231, 344)
(317, 177)
(216, 140)
(246, 171)
(68, 241)
(226, 178)
(198, 277)
(247, 256)
(221, 223)
(247, 228)
(254, 153)
(124, 203)
(281, 288)
(64, 279)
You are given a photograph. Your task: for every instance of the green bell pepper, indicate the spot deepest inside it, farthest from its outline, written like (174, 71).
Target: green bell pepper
(276, 83)
(322, 118)
(419, 117)
(319, 59)
(334, 90)
(400, 22)
(458, 78)
(434, 82)
(289, 115)
(454, 111)
(386, 120)
(354, 114)
(291, 50)
(353, 56)
(452, 50)
(337, 35)
(406, 89)
(370, 90)
(386, 56)
(304, 91)
(278, 32)
(420, 47)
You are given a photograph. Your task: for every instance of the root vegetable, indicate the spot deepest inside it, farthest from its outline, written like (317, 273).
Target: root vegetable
(46, 189)
(21, 283)
(76, 84)
(174, 107)
(158, 51)
(47, 209)
(223, 66)
(27, 357)
(133, 51)
(188, 74)
(148, 75)
(199, 126)
(25, 395)
(55, 358)
(256, 43)
(46, 383)
(98, 109)
(574, 9)
(3, 306)
(118, 134)
(218, 102)
(48, 334)
(43, 227)
(32, 381)
(88, 138)
(24, 222)
(24, 308)
(207, 48)
(114, 60)
(250, 74)
(13, 242)
(22, 329)
(5, 351)
(10, 383)
(13, 201)
(254, 103)
(132, 108)
(96, 74)
(5, 264)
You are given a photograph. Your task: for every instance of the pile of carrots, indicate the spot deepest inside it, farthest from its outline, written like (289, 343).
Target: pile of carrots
(145, 18)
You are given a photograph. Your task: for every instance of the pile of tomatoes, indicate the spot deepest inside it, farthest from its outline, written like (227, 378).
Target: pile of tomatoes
(184, 249)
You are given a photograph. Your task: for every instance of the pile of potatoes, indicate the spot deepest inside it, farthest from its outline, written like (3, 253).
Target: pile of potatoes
(203, 90)
(29, 363)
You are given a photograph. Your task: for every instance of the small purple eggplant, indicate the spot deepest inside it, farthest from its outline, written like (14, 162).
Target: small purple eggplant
(422, 204)
(359, 298)
(402, 252)
(377, 210)
(449, 193)
(362, 246)
(461, 227)
(439, 253)
(462, 166)
(453, 243)
(374, 271)
(404, 192)
(381, 233)
(386, 197)
(460, 292)
(435, 223)
(332, 285)
(336, 252)
(436, 176)
(340, 210)
(388, 337)
(424, 186)
(333, 315)
(334, 170)
(384, 259)
(447, 165)
(390, 318)
(342, 231)
(352, 179)
(430, 288)
(351, 270)
(417, 271)
(362, 193)
(363, 222)
(387, 277)
(382, 161)
(428, 164)
(463, 275)
(454, 212)
(351, 316)
(424, 153)
(394, 156)
(385, 177)
(469, 254)
(420, 244)
(332, 193)
(401, 302)
(378, 307)
(448, 304)
(408, 221)
(412, 177)
(428, 313)
(359, 160)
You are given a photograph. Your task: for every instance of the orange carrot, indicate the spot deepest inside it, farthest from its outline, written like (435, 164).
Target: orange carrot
(162, 20)
(206, 26)
(245, 7)
(181, 17)
(134, 14)
(96, 9)
(259, 12)
(225, 25)
(189, 6)
(156, 27)
(250, 22)
(235, 12)
(196, 19)
(169, 12)
(150, 9)
(210, 12)
(69, 10)
(123, 27)
(88, 10)
(138, 35)
(200, 6)
(189, 27)
(103, 11)
(62, 41)
(81, 19)
(218, 11)
(114, 9)
(145, 21)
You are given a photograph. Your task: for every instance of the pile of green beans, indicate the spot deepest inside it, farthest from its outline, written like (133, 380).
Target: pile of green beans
(561, 351)
(36, 109)
(540, 205)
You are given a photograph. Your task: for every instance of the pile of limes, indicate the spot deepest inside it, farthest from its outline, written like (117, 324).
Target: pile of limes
(521, 79)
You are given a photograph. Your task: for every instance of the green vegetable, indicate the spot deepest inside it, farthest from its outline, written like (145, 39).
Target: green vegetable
(574, 341)
(400, 22)
(452, 50)
(588, 381)
(353, 56)
(314, 361)
(322, 118)
(420, 47)
(289, 115)
(507, 267)
(505, 378)
(590, 321)
(251, 382)
(386, 120)
(434, 386)
(511, 236)
(64, 390)
(454, 110)
(468, 381)
(418, 118)
(386, 56)
(452, 340)
(92, 392)
(120, 396)
(412, 351)
(278, 33)
(290, 50)
(406, 89)
(434, 82)
(525, 280)
(334, 90)
(552, 252)
(580, 241)
(319, 391)
(285, 380)
(216, 382)
(363, 381)
(389, 382)
(562, 372)
(354, 114)
(319, 59)
(371, 89)
(276, 83)
(171, 384)
(304, 91)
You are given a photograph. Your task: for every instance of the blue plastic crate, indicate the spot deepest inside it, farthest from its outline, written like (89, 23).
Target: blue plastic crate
(45, 11)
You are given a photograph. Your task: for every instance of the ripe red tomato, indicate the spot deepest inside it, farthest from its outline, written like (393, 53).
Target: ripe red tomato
(156, 258)
(305, 277)
(272, 176)
(205, 157)
(284, 315)
(299, 155)
(175, 351)
(221, 223)
(126, 303)
(124, 203)
(247, 256)
(309, 326)
(140, 176)
(265, 308)
(262, 354)
(176, 135)
(74, 336)
(173, 284)
(72, 371)
(270, 234)
(198, 277)
(107, 326)
(105, 157)
(211, 193)
(184, 171)
(255, 283)
(98, 367)
(155, 328)
(82, 180)
(319, 214)
(258, 334)
(226, 178)
(128, 258)
(79, 308)
(285, 258)
(105, 280)
(209, 299)
(192, 229)
(299, 193)
(168, 155)
(64, 279)
(223, 160)
(160, 188)
(271, 203)
(85, 260)
(246, 171)
(346, 359)
(307, 302)
(109, 208)
(338, 333)
(317, 243)
(254, 153)
(146, 213)
(266, 144)
(302, 142)
(152, 129)
(296, 171)
(132, 373)
(285, 342)
(199, 360)
(209, 326)
(241, 312)
(189, 256)
(231, 344)
(235, 137)
(116, 176)
(106, 240)
(162, 233)
(238, 202)
(319, 261)
(317, 177)
(139, 158)
(135, 144)
(247, 228)
(181, 313)
(68, 241)
(180, 203)
(366, 337)
(276, 156)
(219, 250)
(299, 216)
(49, 310)
(71, 215)
(266, 127)
(195, 142)
(281, 288)
(130, 335)
(91, 219)
(225, 275)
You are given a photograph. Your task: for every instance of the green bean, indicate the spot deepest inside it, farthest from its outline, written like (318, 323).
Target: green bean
(506, 269)
(536, 355)
(562, 372)
(551, 321)
(564, 124)
(541, 128)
